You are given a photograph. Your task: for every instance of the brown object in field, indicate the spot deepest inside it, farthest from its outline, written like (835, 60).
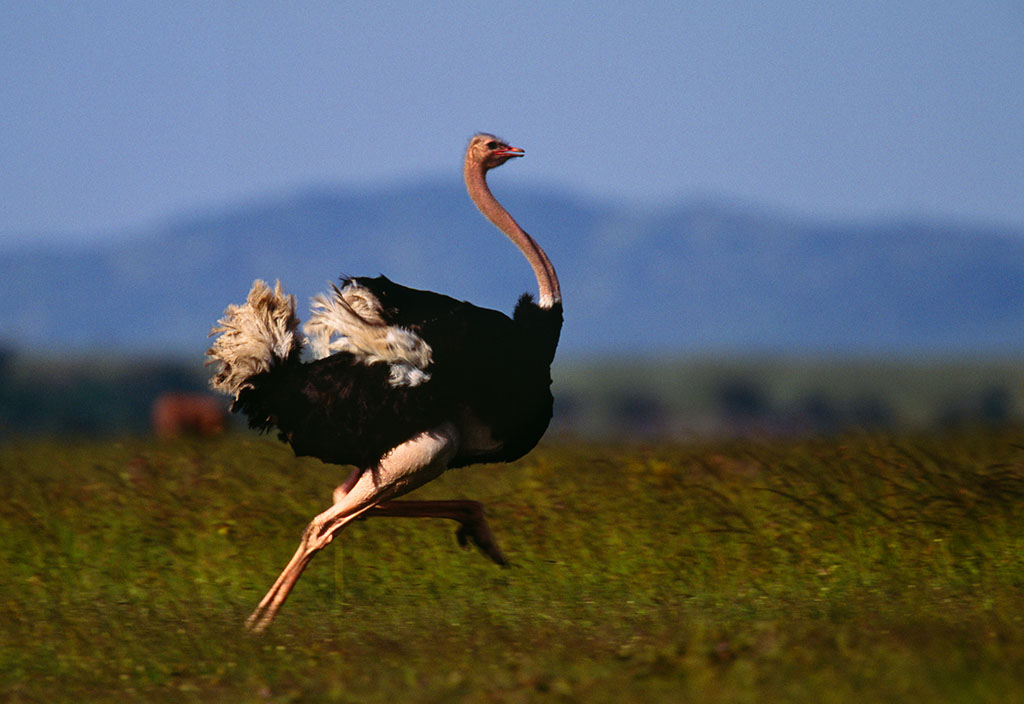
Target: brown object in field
(177, 414)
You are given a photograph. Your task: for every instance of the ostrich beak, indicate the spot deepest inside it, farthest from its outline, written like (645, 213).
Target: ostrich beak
(510, 151)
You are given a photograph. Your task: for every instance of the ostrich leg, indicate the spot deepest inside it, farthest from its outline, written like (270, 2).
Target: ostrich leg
(469, 514)
(408, 466)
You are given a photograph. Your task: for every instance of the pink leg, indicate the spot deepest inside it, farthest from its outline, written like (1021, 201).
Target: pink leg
(408, 466)
(469, 514)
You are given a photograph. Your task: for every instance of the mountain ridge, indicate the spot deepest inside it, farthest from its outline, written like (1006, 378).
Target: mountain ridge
(697, 275)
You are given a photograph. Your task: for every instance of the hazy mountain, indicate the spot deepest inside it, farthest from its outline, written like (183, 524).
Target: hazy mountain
(697, 277)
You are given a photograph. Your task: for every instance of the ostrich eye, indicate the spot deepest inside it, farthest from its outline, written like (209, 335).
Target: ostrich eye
(492, 145)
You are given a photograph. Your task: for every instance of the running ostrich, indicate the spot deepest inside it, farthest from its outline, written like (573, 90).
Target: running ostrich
(405, 384)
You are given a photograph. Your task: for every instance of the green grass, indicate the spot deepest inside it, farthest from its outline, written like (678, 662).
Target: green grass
(867, 568)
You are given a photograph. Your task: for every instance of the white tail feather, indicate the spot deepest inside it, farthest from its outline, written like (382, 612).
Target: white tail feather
(351, 320)
(254, 337)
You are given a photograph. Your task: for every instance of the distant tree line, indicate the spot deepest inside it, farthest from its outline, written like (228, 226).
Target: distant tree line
(85, 397)
(741, 406)
(109, 396)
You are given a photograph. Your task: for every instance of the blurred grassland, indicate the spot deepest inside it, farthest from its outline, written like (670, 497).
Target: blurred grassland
(860, 568)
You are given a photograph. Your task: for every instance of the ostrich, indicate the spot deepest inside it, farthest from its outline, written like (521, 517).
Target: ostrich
(406, 384)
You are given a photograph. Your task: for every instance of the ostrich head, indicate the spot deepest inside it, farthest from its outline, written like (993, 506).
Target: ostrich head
(485, 152)
(488, 151)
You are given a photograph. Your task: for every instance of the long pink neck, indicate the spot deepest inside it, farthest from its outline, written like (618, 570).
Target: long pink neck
(547, 281)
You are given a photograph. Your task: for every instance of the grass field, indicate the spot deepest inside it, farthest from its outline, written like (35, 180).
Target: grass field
(859, 569)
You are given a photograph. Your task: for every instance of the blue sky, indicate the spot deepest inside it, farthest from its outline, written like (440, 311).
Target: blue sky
(116, 115)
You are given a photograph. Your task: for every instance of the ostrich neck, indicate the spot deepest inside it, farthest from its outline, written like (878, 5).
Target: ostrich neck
(547, 281)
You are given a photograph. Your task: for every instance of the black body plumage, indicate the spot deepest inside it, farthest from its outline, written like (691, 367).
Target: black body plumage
(488, 372)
